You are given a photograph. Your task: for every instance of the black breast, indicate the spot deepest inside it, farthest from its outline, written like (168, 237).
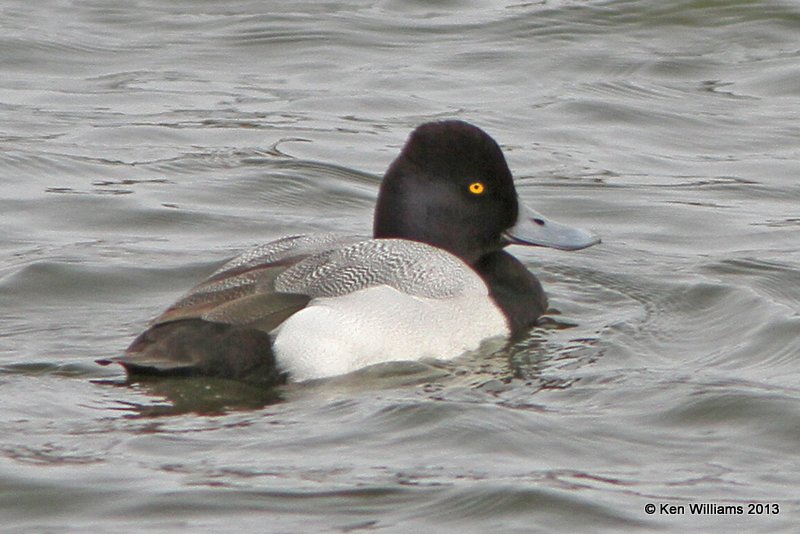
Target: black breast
(514, 288)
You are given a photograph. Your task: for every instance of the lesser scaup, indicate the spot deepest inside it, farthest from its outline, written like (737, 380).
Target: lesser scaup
(434, 281)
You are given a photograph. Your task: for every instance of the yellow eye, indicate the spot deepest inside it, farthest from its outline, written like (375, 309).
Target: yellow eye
(477, 188)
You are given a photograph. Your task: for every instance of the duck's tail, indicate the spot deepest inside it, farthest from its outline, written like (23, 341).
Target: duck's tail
(196, 347)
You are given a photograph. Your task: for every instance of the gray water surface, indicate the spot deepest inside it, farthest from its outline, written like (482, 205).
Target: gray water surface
(144, 143)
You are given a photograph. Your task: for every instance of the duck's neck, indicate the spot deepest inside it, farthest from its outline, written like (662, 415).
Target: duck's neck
(514, 289)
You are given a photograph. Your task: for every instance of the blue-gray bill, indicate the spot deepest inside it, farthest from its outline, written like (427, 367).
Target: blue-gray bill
(533, 228)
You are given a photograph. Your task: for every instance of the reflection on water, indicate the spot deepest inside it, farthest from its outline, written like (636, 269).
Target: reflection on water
(202, 396)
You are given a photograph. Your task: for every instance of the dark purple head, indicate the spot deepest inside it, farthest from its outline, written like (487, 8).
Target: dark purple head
(450, 187)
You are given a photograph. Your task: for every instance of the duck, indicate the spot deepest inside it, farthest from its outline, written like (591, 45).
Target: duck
(434, 279)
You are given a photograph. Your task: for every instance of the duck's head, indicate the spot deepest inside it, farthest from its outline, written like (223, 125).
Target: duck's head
(450, 187)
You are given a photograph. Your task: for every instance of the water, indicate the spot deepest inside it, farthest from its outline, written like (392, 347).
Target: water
(143, 143)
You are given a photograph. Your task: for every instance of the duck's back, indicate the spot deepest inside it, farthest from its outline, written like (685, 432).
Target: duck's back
(243, 292)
